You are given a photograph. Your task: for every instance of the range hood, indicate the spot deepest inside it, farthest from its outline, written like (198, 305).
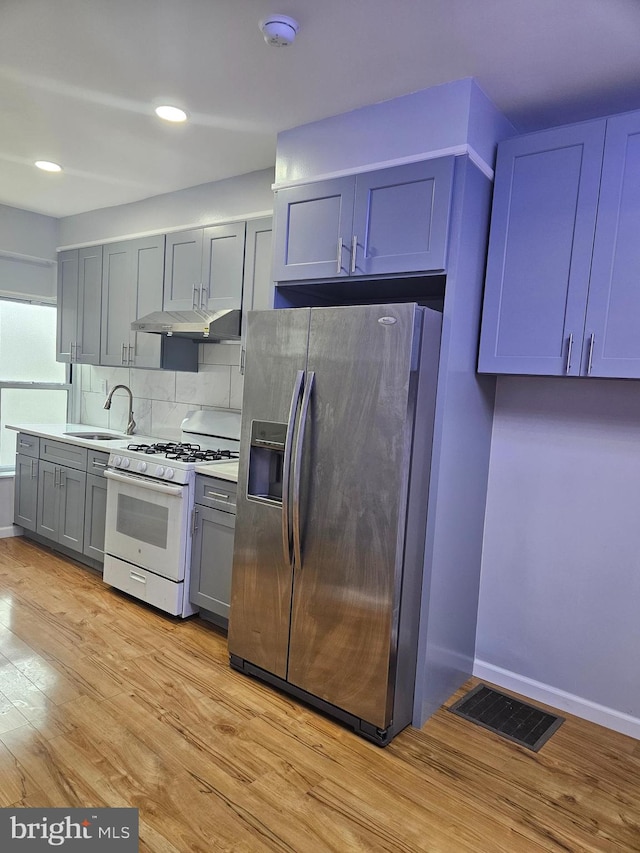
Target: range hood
(198, 325)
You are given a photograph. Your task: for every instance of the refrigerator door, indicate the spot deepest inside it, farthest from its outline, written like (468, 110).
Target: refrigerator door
(262, 571)
(356, 448)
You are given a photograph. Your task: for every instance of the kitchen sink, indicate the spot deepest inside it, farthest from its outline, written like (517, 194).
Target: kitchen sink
(97, 436)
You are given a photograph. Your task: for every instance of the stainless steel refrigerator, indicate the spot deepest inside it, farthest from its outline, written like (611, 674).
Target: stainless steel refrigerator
(335, 456)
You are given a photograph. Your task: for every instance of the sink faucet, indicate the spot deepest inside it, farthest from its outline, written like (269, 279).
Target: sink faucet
(132, 424)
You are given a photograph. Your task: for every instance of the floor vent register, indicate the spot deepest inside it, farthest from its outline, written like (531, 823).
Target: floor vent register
(517, 721)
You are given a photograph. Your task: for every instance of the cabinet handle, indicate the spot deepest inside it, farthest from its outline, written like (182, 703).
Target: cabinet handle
(590, 361)
(132, 355)
(242, 358)
(63, 479)
(34, 470)
(194, 521)
(219, 495)
(204, 296)
(354, 249)
(55, 478)
(569, 348)
(122, 357)
(339, 270)
(194, 298)
(96, 464)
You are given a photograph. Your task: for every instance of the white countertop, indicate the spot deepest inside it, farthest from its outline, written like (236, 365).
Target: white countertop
(57, 431)
(223, 470)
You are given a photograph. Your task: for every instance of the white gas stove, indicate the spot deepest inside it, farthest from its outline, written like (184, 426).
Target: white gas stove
(150, 491)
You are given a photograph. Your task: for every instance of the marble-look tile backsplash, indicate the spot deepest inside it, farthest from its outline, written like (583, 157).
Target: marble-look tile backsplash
(161, 398)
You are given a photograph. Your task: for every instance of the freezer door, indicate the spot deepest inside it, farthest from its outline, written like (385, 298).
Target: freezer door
(354, 483)
(276, 346)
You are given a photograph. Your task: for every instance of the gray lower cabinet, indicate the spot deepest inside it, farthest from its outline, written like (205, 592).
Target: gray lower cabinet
(61, 493)
(95, 511)
(25, 504)
(212, 548)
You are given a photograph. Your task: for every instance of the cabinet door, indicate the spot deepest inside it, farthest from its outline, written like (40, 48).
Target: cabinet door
(89, 305)
(612, 331)
(47, 523)
(401, 218)
(257, 289)
(67, 316)
(222, 265)
(313, 230)
(71, 490)
(147, 256)
(182, 270)
(95, 510)
(211, 560)
(542, 230)
(117, 284)
(25, 506)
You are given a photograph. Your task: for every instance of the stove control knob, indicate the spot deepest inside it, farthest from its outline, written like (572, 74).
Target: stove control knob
(125, 462)
(169, 473)
(142, 466)
(160, 471)
(117, 461)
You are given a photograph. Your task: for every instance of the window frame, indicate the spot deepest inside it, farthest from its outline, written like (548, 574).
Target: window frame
(67, 385)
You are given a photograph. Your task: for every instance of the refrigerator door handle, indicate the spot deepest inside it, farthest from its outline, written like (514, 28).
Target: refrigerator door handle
(286, 466)
(297, 470)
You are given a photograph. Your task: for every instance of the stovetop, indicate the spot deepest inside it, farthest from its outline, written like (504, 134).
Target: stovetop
(184, 452)
(207, 438)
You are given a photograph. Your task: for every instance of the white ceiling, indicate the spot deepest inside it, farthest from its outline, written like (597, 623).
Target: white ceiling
(79, 80)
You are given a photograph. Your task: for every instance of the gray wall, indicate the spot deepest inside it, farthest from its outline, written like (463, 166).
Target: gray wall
(560, 586)
(245, 196)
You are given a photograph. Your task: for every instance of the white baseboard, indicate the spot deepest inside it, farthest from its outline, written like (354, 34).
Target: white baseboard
(11, 530)
(536, 690)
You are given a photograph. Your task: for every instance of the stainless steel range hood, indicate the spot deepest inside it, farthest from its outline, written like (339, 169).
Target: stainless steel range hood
(197, 325)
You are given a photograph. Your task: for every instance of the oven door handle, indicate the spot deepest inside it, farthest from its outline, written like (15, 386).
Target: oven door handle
(143, 483)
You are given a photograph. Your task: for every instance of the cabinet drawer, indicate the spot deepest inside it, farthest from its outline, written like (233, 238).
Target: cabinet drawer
(28, 445)
(63, 454)
(96, 462)
(160, 592)
(219, 494)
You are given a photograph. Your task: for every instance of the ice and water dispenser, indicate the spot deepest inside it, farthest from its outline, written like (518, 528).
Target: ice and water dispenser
(266, 460)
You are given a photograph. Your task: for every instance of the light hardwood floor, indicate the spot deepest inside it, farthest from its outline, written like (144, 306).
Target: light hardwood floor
(104, 702)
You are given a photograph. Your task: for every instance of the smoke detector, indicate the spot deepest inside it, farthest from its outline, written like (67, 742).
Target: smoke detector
(279, 30)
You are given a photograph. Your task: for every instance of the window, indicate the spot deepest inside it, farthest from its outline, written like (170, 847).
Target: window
(34, 387)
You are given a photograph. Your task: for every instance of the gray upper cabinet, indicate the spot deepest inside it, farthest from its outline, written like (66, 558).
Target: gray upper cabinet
(561, 295)
(203, 268)
(612, 329)
(377, 223)
(132, 286)
(79, 298)
(258, 285)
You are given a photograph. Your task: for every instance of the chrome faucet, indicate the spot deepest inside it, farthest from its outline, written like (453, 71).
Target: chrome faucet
(132, 424)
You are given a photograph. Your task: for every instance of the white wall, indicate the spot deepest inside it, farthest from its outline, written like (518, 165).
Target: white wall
(162, 398)
(560, 587)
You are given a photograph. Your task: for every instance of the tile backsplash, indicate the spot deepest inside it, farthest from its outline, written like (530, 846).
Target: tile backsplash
(161, 398)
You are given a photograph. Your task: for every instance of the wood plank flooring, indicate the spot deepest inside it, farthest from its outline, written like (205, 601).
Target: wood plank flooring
(105, 702)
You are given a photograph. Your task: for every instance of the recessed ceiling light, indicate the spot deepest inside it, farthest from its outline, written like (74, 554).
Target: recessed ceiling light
(171, 113)
(48, 166)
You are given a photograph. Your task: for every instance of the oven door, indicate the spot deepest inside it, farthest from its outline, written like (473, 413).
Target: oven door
(147, 523)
